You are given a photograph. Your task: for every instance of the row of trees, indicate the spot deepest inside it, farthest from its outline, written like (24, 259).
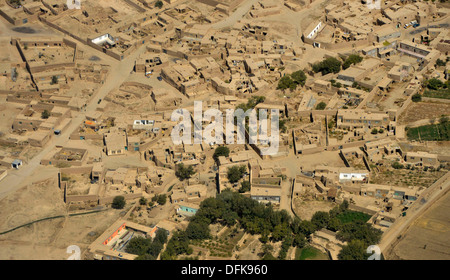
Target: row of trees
(230, 208)
(333, 65)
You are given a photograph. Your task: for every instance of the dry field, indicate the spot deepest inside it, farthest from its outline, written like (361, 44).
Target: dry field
(429, 237)
(424, 110)
(306, 209)
(47, 239)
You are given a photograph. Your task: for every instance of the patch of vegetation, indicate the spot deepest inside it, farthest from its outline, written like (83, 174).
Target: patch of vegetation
(443, 93)
(245, 187)
(309, 253)
(416, 97)
(431, 132)
(321, 106)
(292, 81)
(159, 4)
(160, 199)
(235, 173)
(45, 114)
(221, 151)
(118, 202)
(351, 59)
(349, 216)
(183, 172)
(326, 66)
(251, 103)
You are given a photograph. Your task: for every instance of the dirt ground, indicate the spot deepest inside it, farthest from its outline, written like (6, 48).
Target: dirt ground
(424, 110)
(46, 239)
(306, 209)
(429, 237)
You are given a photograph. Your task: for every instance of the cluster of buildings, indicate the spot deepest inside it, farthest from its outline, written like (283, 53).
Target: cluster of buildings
(121, 142)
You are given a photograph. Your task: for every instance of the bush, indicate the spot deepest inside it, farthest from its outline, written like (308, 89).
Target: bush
(397, 165)
(329, 65)
(159, 4)
(416, 97)
(299, 77)
(45, 114)
(286, 83)
(351, 59)
(245, 187)
(374, 131)
(184, 172)
(354, 250)
(235, 173)
(142, 201)
(434, 84)
(221, 151)
(162, 199)
(118, 202)
(321, 106)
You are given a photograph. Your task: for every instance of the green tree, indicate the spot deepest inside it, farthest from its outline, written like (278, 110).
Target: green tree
(286, 82)
(440, 62)
(326, 66)
(320, 219)
(299, 240)
(334, 224)
(138, 245)
(434, 84)
(416, 97)
(299, 77)
(54, 80)
(159, 4)
(183, 172)
(245, 187)
(351, 59)
(118, 202)
(359, 230)
(161, 236)
(143, 201)
(235, 173)
(221, 151)
(45, 114)
(354, 250)
(197, 230)
(374, 131)
(162, 199)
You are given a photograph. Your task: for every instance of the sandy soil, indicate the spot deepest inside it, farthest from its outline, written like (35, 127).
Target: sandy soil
(306, 209)
(428, 238)
(424, 110)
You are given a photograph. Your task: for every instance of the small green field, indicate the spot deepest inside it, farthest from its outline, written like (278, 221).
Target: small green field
(310, 253)
(352, 216)
(440, 93)
(431, 132)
